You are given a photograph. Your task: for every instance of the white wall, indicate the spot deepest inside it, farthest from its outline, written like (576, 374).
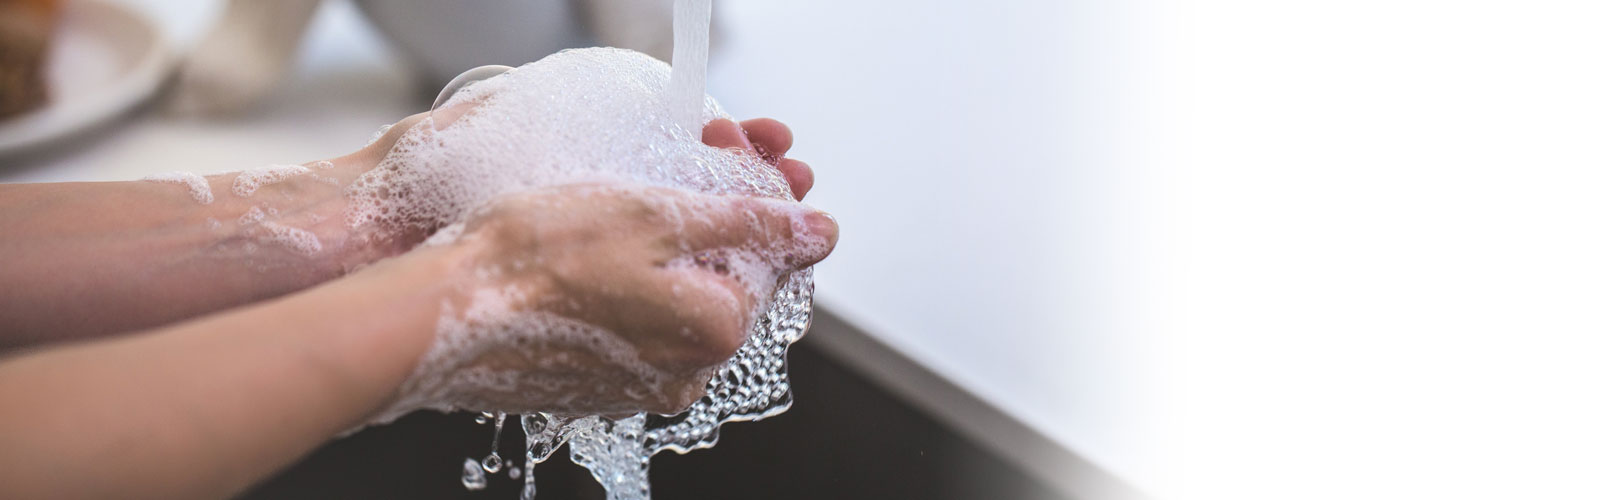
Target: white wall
(977, 155)
(1230, 248)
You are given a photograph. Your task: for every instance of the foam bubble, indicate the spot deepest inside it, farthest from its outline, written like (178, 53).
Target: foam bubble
(199, 189)
(252, 216)
(293, 238)
(378, 135)
(248, 181)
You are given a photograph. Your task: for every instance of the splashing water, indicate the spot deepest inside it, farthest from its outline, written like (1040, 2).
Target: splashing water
(751, 386)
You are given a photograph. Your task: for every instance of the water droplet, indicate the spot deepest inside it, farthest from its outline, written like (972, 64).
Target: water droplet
(472, 475)
(528, 489)
(491, 463)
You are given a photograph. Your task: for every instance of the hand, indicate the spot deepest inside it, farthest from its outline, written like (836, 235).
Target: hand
(770, 139)
(315, 201)
(585, 299)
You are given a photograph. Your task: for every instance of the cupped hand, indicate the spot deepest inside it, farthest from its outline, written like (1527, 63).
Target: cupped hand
(614, 298)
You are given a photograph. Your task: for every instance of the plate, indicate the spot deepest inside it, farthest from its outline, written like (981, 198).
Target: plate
(106, 58)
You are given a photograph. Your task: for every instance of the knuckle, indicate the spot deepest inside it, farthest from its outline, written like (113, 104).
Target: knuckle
(721, 340)
(680, 396)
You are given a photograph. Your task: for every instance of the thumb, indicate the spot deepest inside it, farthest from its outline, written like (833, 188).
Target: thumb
(790, 232)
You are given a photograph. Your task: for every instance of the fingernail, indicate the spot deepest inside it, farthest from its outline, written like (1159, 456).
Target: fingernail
(744, 136)
(823, 223)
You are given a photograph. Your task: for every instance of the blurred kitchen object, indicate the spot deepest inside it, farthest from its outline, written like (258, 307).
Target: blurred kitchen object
(26, 27)
(245, 55)
(249, 50)
(66, 66)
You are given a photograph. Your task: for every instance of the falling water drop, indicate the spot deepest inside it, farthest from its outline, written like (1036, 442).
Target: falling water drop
(528, 489)
(472, 475)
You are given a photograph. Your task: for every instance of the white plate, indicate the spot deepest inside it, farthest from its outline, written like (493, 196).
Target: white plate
(105, 59)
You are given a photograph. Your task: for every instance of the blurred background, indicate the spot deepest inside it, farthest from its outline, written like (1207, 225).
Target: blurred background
(1091, 249)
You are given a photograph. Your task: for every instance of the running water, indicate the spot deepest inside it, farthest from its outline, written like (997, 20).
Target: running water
(691, 46)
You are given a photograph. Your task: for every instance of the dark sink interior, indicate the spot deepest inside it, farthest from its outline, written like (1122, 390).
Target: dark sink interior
(844, 438)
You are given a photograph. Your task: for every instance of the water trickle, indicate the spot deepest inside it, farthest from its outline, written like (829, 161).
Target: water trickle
(491, 463)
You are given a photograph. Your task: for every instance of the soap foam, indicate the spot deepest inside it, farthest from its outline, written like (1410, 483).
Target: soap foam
(199, 189)
(576, 116)
(581, 117)
(248, 181)
(293, 238)
(252, 216)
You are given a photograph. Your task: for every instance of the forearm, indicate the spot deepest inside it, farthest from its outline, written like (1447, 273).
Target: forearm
(205, 408)
(87, 259)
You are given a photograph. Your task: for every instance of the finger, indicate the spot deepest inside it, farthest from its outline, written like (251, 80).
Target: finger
(452, 111)
(799, 175)
(799, 234)
(716, 310)
(384, 143)
(723, 133)
(679, 317)
(771, 137)
(466, 78)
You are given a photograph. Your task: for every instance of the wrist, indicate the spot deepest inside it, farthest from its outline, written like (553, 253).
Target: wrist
(362, 245)
(302, 219)
(401, 302)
